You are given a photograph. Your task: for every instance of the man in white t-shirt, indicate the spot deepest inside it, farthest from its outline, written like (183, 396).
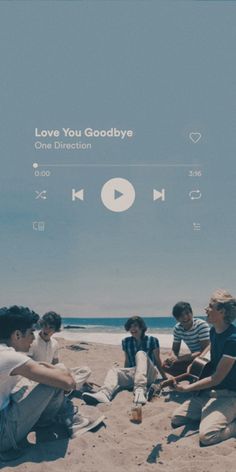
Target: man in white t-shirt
(194, 332)
(43, 403)
(45, 348)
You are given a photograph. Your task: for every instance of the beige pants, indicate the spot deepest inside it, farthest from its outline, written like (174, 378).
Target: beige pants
(216, 411)
(81, 375)
(140, 376)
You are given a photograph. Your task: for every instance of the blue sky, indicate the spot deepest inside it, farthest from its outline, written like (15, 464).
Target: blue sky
(162, 69)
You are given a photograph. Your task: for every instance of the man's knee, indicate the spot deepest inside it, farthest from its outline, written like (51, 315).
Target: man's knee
(49, 389)
(206, 438)
(140, 355)
(215, 435)
(50, 393)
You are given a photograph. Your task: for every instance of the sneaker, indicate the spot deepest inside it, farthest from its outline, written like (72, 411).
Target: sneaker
(139, 396)
(77, 419)
(87, 387)
(94, 398)
(83, 424)
(154, 391)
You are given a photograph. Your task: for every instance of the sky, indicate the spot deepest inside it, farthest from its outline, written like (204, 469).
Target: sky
(163, 69)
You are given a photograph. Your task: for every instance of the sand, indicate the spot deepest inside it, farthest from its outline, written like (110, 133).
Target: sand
(121, 445)
(112, 338)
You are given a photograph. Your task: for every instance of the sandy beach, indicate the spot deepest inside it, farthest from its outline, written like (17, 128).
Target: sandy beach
(120, 445)
(112, 338)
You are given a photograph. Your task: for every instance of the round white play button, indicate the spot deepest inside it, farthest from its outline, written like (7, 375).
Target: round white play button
(118, 194)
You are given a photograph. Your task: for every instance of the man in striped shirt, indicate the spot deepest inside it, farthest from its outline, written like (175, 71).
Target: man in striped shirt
(193, 331)
(141, 366)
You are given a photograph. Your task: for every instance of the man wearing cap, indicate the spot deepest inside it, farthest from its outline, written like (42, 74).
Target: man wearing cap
(214, 403)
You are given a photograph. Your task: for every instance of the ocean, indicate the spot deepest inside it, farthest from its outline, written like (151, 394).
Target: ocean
(111, 330)
(162, 324)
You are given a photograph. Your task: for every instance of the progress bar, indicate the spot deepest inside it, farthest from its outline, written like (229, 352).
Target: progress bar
(36, 165)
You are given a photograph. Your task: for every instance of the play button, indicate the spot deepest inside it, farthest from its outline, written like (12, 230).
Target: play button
(118, 194)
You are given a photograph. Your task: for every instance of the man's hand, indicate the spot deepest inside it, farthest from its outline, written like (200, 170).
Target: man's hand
(170, 377)
(170, 361)
(170, 380)
(46, 364)
(180, 388)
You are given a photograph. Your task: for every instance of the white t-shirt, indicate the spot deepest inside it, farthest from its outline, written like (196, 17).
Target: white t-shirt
(43, 351)
(9, 360)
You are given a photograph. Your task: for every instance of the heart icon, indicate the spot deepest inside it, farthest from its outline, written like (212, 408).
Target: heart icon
(195, 137)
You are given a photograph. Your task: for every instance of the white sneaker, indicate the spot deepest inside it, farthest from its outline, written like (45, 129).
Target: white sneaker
(83, 424)
(139, 396)
(94, 398)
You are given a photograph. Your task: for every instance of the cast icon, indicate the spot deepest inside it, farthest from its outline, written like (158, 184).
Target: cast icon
(38, 225)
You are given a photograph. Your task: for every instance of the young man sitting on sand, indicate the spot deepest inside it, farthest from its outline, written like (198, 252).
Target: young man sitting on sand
(44, 348)
(193, 331)
(42, 403)
(141, 366)
(214, 406)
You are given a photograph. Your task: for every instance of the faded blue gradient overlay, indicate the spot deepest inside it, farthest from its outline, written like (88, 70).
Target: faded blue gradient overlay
(160, 68)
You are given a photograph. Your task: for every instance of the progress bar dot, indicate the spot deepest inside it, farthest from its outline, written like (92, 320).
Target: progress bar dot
(35, 165)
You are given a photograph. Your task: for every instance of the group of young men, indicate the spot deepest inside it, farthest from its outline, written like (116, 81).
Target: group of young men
(43, 401)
